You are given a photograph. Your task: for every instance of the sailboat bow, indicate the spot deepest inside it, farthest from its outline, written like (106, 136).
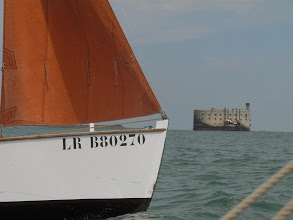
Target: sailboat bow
(69, 63)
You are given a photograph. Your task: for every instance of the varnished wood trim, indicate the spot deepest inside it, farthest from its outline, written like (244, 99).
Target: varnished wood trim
(82, 134)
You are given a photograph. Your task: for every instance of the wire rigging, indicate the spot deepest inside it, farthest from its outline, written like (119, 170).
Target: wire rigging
(143, 61)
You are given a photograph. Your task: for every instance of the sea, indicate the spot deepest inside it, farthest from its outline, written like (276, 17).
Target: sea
(204, 174)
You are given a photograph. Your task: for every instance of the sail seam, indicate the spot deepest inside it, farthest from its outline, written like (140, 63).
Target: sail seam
(116, 71)
(86, 39)
(46, 60)
(46, 72)
(47, 32)
(88, 72)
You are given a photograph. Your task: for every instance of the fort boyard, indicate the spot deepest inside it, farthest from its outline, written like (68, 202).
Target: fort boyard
(222, 119)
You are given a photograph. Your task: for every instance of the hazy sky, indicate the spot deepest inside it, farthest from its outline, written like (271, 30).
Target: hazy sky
(217, 53)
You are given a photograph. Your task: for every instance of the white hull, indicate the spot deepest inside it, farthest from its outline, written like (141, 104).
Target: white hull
(116, 165)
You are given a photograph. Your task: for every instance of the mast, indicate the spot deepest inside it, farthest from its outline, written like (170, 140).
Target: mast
(1, 42)
(1, 56)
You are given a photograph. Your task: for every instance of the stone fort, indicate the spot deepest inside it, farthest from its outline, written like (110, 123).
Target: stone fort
(222, 119)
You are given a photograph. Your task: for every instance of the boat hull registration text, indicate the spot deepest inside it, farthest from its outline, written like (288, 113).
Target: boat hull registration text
(104, 141)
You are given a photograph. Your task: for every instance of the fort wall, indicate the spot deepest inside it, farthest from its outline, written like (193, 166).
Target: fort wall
(222, 119)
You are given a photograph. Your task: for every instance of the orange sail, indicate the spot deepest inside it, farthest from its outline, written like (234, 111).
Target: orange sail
(68, 62)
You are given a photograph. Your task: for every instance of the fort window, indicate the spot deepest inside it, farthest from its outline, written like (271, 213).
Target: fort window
(215, 114)
(220, 118)
(215, 118)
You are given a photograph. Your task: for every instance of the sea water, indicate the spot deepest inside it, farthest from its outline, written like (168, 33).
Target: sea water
(204, 174)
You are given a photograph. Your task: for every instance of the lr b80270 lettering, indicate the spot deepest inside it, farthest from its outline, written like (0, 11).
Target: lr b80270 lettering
(114, 141)
(107, 141)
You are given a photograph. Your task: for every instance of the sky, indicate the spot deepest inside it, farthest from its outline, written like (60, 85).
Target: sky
(205, 54)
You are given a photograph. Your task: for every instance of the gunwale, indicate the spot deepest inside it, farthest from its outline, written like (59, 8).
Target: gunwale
(81, 134)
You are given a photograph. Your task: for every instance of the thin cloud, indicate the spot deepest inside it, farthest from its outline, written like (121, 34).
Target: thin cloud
(159, 21)
(184, 6)
(216, 64)
(180, 33)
